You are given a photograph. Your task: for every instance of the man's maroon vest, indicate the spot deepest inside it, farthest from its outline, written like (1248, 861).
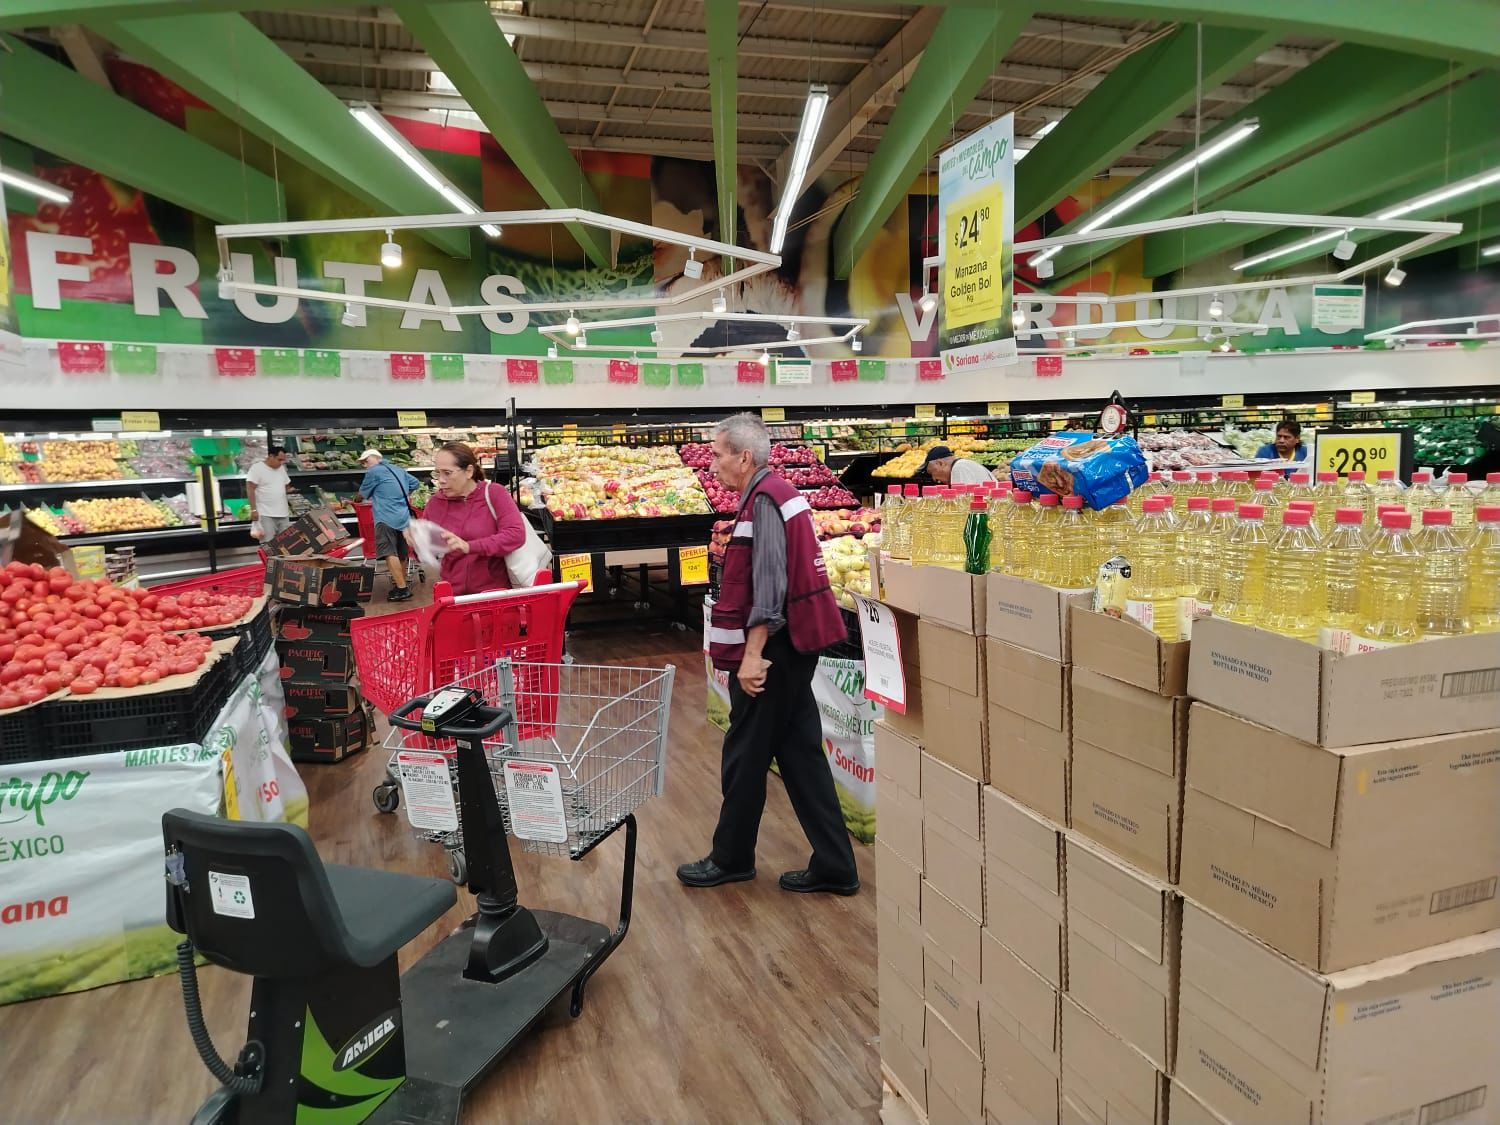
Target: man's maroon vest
(813, 620)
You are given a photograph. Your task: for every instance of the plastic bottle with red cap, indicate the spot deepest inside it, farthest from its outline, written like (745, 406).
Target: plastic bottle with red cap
(1292, 602)
(1484, 570)
(1077, 558)
(1443, 577)
(1388, 578)
(1490, 496)
(1422, 494)
(1387, 489)
(1155, 579)
(977, 535)
(1020, 535)
(1242, 576)
(1460, 501)
(1356, 493)
(1044, 560)
(1343, 554)
(1199, 565)
(1327, 495)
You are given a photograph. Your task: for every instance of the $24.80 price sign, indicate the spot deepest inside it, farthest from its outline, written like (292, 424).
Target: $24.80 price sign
(1358, 452)
(973, 288)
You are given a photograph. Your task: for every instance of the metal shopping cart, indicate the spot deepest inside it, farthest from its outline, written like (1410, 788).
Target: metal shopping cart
(364, 514)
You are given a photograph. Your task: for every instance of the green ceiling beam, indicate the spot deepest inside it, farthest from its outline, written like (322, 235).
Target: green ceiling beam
(1145, 90)
(472, 51)
(1464, 30)
(1345, 90)
(721, 20)
(225, 61)
(1457, 170)
(965, 48)
(43, 13)
(54, 108)
(1396, 151)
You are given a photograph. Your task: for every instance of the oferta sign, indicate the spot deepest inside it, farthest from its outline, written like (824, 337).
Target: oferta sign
(976, 208)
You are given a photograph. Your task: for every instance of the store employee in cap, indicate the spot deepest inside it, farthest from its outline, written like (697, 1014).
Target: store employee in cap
(946, 467)
(389, 489)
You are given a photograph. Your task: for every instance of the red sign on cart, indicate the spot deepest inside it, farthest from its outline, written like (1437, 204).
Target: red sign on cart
(750, 371)
(235, 361)
(843, 370)
(1049, 365)
(929, 369)
(624, 371)
(408, 365)
(522, 370)
(80, 358)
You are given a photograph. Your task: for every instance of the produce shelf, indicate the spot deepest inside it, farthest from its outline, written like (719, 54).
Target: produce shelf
(80, 485)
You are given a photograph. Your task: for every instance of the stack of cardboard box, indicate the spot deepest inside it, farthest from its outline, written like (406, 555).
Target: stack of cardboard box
(1236, 877)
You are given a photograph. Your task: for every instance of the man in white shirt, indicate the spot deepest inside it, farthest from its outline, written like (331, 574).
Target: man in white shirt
(266, 486)
(945, 467)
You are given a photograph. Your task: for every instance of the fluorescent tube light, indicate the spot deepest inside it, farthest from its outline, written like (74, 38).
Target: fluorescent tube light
(384, 132)
(33, 186)
(807, 136)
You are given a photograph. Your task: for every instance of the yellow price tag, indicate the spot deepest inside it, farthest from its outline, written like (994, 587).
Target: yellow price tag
(692, 566)
(1357, 452)
(773, 414)
(999, 409)
(570, 433)
(1232, 402)
(926, 411)
(411, 419)
(140, 420)
(231, 788)
(619, 431)
(1059, 424)
(1362, 397)
(577, 568)
(1149, 420)
(973, 291)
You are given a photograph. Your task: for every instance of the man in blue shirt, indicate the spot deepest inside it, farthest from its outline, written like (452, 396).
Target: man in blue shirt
(389, 488)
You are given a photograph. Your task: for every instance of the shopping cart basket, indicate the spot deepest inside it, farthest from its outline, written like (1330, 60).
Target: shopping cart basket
(585, 747)
(364, 513)
(248, 580)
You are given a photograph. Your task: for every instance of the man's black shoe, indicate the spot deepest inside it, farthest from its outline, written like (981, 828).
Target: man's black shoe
(707, 873)
(399, 594)
(805, 882)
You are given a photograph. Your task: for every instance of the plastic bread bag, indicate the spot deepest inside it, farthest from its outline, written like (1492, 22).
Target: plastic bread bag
(1101, 470)
(427, 540)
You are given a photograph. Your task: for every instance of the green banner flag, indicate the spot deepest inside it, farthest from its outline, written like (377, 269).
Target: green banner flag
(134, 359)
(872, 370)
(690, 374)
(280, 361)
(656, 374)
(557, 371)
(320, 361)
(445, 365)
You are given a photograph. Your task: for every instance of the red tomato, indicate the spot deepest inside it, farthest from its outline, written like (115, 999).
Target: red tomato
(52, 681)
(9, 699)
(150, 675)
(33, 694)
(182, 667)
(130, 677)
(83, 687)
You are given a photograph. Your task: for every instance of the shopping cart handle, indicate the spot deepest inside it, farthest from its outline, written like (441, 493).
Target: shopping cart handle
(483, 721)
(409, 715)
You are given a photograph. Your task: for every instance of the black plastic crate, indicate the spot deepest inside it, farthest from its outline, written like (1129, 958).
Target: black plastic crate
(20, 734)
(83, 725)
(255, 641)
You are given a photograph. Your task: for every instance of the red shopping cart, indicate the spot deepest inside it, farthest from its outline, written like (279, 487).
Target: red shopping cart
(248, 580)
(365, 514)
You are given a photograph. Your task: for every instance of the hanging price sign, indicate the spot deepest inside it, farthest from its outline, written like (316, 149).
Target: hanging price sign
(1361, 451)
(925, 410)
(773, 414)
(577, 568)
(140, 421)
(1360, 398)
(999, 410)
(411, 419)
(692, 566)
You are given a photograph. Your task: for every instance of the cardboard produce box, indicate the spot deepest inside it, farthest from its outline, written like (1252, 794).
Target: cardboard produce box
(316, 698)
(898, 586)
(1023, 887)
(1030, 615)
(1129, 752)
(293, 540)
(1188, 1110)
(952, 834)
(1408, 691)
(899, 915)
(952, 963)
(1265, 1041)
(1021, 1023)
(1123, 933)
(308, 623)
(898, 794)
(954, 719)
(903, 1034)
(1126, 650)
(328, 739)
(955, 1076)
(321, 582)
(952, 598)
(1029, 743)
(1342, 856)
(315, 660)
(908, 723)
(1104, 1078)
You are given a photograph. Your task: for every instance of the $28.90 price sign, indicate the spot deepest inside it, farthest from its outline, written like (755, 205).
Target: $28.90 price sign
(1359, 451)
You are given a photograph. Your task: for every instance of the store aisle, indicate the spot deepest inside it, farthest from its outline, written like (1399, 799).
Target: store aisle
(742, 1003)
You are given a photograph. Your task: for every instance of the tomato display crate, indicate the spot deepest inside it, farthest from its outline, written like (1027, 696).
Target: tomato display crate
(20, 734)
(76, 725)
(255, 639)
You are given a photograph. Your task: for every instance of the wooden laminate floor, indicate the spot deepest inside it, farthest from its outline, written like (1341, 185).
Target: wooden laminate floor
(738, 1004)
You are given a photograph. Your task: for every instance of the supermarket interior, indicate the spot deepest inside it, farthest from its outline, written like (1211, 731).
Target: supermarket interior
(750, 561)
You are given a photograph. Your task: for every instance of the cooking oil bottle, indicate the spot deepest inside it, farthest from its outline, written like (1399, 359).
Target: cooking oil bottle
(1242, 567)
(1422, 494)
(1282, 482)
(1183, 485)
(1044, 559)
(948, 520)
(1357, 494)
(1077, 545)
(1000, 509)
(897, 540)
(1299, 487)
(892, 517)
(1388, 578)
(1197, 565)
(1237, 486)
(1207, 484)
(1292, 603)
(1154, 578)
(1490, 497)
(1113, 528)
(1343, 553)
(1325, 496)
(1443, 582)
(1308, 506)
(1460, 501)
(1267, 497)
(923, 541)
(1388, 490)
(1484, 570)
(1020, 535)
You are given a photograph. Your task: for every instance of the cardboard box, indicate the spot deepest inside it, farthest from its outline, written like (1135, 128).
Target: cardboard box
(306, 623)
(952, 835)
(1105, 1079)
(1338, 857)
(1266, 1041)
(1129, 747)
(898, 787)
(1188, 1110)
(899, 937)
(315, 660)
(952, 598)
(324, 527)
(897, 880)
(1030, 761)
(1126, 650)
(293, 540)
(1030, 615)
(321, 582)
(907, 1067)
(898, 583)
(1024, 884)
(909, 723)
(1123, 933)
(1408, 691)
(1027, 684)
(954, 994)
(901, 1011)
(328, 739)
(953, 708)
(952, 931)
(317, 698)
(956, 1071)
(1021, 1023)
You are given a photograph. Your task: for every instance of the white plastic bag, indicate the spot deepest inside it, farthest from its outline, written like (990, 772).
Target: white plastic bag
(428, 540)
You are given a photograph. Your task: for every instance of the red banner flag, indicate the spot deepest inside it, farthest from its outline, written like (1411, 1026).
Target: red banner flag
(750, 371)
(235, 361)
(521, 370)
(843, 370)
(929, 369)
(408, 365)
(624, 371)
(80, 358)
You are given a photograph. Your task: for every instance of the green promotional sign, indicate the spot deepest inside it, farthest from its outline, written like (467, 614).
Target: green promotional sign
(557, 371)
(321, 362)
(446, 365)
(872, 370)
(134, 359)
(656, 374)
(280, 361)
(690, 374)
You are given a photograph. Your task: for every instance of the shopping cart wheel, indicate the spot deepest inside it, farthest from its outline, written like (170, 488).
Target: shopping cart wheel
(458, 867)
(387, 798)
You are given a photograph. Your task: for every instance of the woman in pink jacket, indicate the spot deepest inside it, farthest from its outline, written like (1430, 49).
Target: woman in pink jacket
(480, 522)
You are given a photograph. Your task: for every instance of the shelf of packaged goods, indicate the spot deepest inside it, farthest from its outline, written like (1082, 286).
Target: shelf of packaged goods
(79, 485)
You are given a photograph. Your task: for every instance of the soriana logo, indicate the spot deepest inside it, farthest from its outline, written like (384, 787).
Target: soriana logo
(23, 800)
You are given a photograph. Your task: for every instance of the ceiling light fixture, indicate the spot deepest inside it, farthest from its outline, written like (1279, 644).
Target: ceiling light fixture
(1491, 251)
(552, 351)
(33, 186)
(692, 268)
(390, 252)
(656, 335)
(1224, 344)
(226, 283)
(927, 302)
(1345, 248)
(387, 134)
(807, 136)
(1042, 263)
(1018, 320)
(350, 319)
(1396, 275)
(572, 325)
(792, 333)
(1156, 183)
(1070, 340)
(583, 340)
(856, 345)
(1216, 307)
(1044, 130)
(765, 359)
(720, 304)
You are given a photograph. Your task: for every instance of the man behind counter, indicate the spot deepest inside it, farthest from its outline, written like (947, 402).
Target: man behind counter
(946, 467)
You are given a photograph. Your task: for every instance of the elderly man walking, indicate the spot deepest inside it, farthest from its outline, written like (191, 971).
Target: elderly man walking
(389, 488)
(775, 613)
